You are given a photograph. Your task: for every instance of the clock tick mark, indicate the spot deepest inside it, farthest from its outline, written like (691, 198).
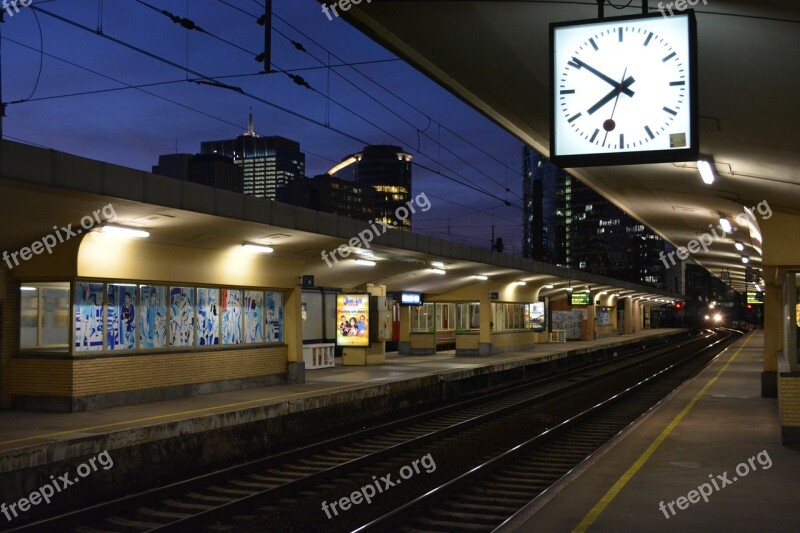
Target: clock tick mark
(673, 54)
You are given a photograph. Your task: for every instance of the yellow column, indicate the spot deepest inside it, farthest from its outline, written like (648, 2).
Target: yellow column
(293, 334)
(485, 342)
(404, 343)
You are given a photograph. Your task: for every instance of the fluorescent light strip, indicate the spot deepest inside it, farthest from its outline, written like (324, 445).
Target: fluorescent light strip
(438, 271)
(706, 171)
(257, 248)
(120, 231)
(364, 262)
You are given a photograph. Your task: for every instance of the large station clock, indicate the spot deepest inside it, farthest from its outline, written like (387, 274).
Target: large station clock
(623, 90)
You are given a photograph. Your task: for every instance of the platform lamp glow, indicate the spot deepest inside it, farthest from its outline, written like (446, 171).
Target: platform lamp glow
(623, 90)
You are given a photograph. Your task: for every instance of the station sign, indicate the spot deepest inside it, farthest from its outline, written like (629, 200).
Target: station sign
(751, 275)
(410, 298)
(580, 298)
(755, 297)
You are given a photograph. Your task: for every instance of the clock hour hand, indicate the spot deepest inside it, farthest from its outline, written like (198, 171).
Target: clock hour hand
(621, 88)
(600, 75)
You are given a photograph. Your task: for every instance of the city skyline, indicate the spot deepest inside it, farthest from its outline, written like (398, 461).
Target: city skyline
(457, 151)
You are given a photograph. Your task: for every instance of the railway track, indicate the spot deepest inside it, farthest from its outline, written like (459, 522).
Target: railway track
(488, 496)
(208, 499)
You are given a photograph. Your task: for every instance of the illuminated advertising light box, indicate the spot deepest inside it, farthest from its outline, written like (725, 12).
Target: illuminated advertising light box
(536, 316)
(755, 297)
(352, 312)
(580, 298)
(410, 298)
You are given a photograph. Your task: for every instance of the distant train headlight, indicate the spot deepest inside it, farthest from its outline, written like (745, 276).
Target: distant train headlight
(717, 317)
(708, 317)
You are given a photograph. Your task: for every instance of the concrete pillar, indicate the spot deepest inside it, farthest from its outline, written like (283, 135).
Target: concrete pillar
(591, 323)
(629, 318)
(773, 340)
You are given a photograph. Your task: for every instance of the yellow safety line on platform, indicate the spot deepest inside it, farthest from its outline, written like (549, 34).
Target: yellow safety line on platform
(181, 413)
(609, 496)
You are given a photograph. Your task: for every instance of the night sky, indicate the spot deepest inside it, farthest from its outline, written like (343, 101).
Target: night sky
(130, 127)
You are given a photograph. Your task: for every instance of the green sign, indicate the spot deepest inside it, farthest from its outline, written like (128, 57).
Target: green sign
(580, 298)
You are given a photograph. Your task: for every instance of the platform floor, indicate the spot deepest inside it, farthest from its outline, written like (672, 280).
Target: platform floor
(712, 425)
(20, 429)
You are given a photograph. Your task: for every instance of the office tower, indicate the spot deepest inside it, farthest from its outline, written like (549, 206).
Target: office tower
(331, 195)
(214, 170)
(566, 223)
(268, 163)
(387, 170)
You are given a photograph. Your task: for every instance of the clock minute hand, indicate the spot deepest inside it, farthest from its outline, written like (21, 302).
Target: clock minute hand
(600, 75)
(613, 94)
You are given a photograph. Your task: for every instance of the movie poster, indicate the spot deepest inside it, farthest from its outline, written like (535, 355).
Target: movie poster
(89, 317)
(352, 311)
(153, 312)
(121, 321)
(207, 317)
(181, 316)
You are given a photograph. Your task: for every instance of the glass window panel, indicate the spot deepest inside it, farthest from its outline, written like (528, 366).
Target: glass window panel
(89, 306)
(153, 316)
(44, 315)
(207, 317)
(274, 317)
(181, 316)
(231, 301)
(253, 317)
(121, 317)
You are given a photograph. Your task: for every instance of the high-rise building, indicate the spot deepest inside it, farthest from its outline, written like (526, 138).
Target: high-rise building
(387, 170)
(331, 195)
(268, 162)
(214, 170)
(568, 224)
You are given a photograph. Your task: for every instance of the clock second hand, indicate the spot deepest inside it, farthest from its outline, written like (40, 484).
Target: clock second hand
(610, 122)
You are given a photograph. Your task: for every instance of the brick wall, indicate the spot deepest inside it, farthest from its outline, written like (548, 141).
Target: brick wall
(9, 332)
(789, 400)
(82, 377)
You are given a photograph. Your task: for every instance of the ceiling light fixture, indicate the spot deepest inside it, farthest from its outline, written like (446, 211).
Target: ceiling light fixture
(725, 224)
(437, 264)
(549, 286)
(481, 277)
(121, 231)
(739, 246)
(438, 271)
(745, 259)
(365, 262)
(707, 171)
(521, 283)
(257, 248)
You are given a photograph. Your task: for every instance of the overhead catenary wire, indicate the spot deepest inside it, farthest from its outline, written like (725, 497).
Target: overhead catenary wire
(205, 79)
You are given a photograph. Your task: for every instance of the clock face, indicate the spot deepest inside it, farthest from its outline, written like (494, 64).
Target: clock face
(623, 91)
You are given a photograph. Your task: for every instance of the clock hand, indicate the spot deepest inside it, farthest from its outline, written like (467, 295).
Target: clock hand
(613, 94)
(609, 124)
(600, 75)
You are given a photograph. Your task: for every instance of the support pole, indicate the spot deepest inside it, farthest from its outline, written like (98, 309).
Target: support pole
(600, 5)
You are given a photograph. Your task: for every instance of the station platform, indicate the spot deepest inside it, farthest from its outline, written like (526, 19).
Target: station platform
(176, 437)
(716, 427)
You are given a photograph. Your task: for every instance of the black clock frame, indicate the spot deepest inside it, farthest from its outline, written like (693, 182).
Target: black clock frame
(690, 153)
